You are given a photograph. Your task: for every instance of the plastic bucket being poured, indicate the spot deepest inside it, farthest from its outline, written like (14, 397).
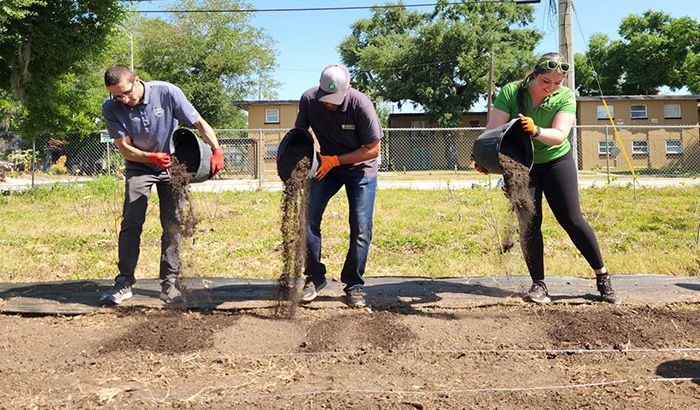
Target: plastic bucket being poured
(508, 139)
(296, 145)
(194, 153)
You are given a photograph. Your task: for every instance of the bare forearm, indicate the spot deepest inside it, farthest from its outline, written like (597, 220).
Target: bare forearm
(207, 132)
(131, 153)
(364, 153)
(561, 126)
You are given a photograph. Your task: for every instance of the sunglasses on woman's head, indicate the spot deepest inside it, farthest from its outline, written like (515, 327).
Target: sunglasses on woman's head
(553, 65)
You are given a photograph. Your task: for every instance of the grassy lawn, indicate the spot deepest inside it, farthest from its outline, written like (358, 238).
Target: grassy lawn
(66, 232)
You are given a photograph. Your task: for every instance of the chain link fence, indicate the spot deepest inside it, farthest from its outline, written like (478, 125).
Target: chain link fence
(648, 151)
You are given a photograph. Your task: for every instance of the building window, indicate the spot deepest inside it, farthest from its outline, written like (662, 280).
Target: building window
(603, 114)
(638, 111)
(602, 147)
(272, 116)
(640, 147)
(672, 111)
(674, 146)
(474, 123)
(271, 151)
(422, 135)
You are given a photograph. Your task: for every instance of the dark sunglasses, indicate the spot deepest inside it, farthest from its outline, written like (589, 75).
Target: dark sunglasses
(553, 65)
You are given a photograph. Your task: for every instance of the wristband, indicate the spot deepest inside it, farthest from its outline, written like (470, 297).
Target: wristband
(537, 131)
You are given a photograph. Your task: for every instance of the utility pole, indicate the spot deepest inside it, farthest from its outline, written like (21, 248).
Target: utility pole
(566, 48)
(488, 104)
(131, 54)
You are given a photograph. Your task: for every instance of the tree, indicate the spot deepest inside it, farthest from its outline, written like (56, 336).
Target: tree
(655, 50)
(45, 61)
(216, 58)
(439, 60)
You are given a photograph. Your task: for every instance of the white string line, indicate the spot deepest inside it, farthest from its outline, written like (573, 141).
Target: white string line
(675, 379)
(351, 391)
(367, 352)
(385, 392)
(474, 351)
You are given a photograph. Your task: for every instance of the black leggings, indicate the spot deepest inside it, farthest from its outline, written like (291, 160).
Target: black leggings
(558, 181)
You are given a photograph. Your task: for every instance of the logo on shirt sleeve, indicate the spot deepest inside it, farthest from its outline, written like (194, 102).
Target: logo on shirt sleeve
(158, 111)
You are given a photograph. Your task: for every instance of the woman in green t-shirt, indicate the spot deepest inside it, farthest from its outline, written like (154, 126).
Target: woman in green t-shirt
(548, 112)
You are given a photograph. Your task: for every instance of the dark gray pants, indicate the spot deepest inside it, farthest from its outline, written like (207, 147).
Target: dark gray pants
(138, 190)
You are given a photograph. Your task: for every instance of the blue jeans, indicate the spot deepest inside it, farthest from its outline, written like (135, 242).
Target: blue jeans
(361, 192)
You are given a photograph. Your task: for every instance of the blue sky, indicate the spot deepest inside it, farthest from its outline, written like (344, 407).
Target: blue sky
(308, 41)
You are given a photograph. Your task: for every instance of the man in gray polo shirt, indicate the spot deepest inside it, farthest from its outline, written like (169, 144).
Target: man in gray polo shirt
(349, 132)
(141, 118)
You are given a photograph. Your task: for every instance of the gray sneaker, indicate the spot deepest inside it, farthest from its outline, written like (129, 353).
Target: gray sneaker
(310, 291)
(119, 293)
(355, 298)
(538, 293)
(607, 292)
(171, 292)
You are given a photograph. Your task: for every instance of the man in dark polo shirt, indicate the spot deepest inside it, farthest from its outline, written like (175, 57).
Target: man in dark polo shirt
(348, 131)
(141, 118)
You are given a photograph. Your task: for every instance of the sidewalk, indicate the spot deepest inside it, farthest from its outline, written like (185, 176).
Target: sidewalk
(221, 185)
(385, 182)
(82, 297)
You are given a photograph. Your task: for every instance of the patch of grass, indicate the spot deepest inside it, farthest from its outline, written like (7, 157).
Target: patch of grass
(70, 232)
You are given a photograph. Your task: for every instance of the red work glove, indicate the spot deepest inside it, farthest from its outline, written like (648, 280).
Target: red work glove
(481, 169)
(217, 161)
(529, 127)
(328, 162)
(162, 159)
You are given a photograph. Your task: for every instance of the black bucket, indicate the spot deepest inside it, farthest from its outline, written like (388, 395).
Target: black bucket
(509, 139)
(194, 153)
(296, 145)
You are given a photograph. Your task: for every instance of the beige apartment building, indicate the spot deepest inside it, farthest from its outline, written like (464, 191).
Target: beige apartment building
(269, 121)
(656, 131)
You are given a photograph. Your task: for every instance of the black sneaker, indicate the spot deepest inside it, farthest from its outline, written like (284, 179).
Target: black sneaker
(119, 293)
(355, 298)
(171, 292)
(607, 292)
(310, 291)
(538, 293)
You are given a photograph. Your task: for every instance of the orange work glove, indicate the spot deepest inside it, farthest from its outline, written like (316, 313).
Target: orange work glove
(217, 161)
(162, 159)
(328, 162)
(529, 127)
(481, 169)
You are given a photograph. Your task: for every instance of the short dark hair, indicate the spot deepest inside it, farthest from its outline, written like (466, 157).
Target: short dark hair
(116, 73)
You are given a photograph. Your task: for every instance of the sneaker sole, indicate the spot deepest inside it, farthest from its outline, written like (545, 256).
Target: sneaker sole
(357, 305)
(539, 301)
(612, 302)
(315, 294)
(110, 301)
(166, 299)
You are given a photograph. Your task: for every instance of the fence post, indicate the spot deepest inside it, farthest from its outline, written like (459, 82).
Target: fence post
(260, 157)
(607, 153)
(33, 159)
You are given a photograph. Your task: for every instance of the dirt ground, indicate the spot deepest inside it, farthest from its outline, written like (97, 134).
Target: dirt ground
(505, 357)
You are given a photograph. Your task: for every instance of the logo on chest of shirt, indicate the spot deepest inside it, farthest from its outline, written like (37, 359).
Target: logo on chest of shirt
(158, 111)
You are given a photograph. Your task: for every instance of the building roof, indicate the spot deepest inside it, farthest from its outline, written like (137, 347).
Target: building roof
(639, 97)
(245, 104)
(409, 114)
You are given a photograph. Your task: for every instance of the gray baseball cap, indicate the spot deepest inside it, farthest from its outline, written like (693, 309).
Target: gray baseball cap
(334, 84)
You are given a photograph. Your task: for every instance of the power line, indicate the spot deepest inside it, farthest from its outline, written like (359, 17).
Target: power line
(387, 6)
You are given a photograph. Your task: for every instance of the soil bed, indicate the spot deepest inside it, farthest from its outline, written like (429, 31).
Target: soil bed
(586, 356)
